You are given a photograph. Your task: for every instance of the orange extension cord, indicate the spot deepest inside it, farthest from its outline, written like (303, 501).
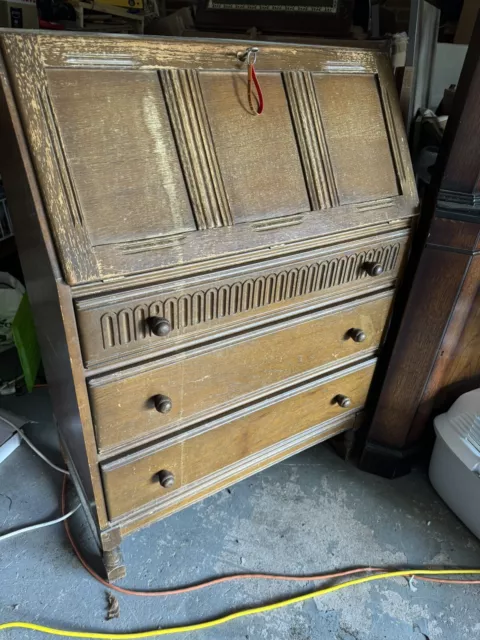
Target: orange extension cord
(240, 576)
(409, 573)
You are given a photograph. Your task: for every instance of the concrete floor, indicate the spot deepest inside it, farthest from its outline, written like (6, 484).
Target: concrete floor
(311, 513)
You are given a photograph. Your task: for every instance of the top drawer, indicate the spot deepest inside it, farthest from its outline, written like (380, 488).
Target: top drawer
(121, 325)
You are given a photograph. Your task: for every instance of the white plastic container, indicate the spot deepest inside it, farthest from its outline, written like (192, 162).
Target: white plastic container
(455, 463)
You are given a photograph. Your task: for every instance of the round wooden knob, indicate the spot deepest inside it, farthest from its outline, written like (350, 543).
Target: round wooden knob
(166, 478)
(373, 268)
(343, 401)
(159, 326)
(163, 404)
(357, 335)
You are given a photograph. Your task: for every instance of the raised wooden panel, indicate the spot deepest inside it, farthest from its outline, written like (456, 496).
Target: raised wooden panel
(116, 325)
(310, 135)
(232, 372)
(114, 134)
(357, 138)
(223, 448)
(258, 155)
(195, 145)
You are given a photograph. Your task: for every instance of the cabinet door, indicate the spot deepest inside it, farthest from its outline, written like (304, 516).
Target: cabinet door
(148, 155)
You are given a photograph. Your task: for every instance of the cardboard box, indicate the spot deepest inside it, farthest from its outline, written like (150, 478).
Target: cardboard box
(20, 14)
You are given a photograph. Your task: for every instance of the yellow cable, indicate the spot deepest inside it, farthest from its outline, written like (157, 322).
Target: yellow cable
(238, 614)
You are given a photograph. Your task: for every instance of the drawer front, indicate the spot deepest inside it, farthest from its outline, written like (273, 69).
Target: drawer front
(163, 317)
(196, 385)
(187, 464)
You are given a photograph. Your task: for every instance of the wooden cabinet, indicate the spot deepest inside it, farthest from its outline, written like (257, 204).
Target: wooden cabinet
(211, 287)
(436, 354)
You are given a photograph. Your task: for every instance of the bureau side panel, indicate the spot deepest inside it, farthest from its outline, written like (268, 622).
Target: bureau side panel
(50, 300)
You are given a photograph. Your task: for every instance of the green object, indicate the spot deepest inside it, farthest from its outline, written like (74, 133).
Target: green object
(25, 338)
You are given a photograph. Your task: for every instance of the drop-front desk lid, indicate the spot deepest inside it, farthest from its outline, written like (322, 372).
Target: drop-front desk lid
(148, 153)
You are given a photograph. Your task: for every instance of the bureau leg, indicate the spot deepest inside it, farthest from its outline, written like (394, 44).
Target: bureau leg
(345, 443)
(113, 563)
(112, 555)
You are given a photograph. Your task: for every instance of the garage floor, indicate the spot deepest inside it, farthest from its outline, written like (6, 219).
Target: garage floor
(311, 513)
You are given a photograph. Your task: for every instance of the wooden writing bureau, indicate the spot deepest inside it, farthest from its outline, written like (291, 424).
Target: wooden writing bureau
(211, 288)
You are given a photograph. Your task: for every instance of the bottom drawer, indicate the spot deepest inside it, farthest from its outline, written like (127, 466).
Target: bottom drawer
(186, 464)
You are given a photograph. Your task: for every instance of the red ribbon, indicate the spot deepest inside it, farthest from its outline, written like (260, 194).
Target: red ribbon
(253, 81)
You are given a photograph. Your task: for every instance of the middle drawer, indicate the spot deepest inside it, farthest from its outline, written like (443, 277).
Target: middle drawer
(158, 397)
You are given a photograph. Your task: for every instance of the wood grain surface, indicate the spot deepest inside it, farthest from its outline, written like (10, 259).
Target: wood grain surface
(257, 244)
(116, 325)
(120, 153)
(133, 481)
(206, 381)
(153, 511)
(435, 356)
(191, 174)
(457, 367)
(423, 333)
(258, 157)
(52, 308)
(356, 137)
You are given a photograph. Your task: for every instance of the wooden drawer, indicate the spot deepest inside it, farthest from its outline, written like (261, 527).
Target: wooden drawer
(129, 405)
(118, 325)
(230, 447)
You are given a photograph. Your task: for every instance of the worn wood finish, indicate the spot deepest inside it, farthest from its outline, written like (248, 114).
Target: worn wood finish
(255, 156)
(243, 175)
(119, 181)
(219, 284)
(117, 325)
(363, 169)
(51, 304)
(289, 447)
(436, 354)
(284, 251)
(265, 237)
(146, 53)
(133, 481)
(212, 380)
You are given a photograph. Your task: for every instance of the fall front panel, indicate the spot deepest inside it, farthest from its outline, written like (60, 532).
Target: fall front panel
(163, 165)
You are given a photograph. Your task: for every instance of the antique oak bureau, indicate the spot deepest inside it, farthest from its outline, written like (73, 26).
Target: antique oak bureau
(211, 287)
